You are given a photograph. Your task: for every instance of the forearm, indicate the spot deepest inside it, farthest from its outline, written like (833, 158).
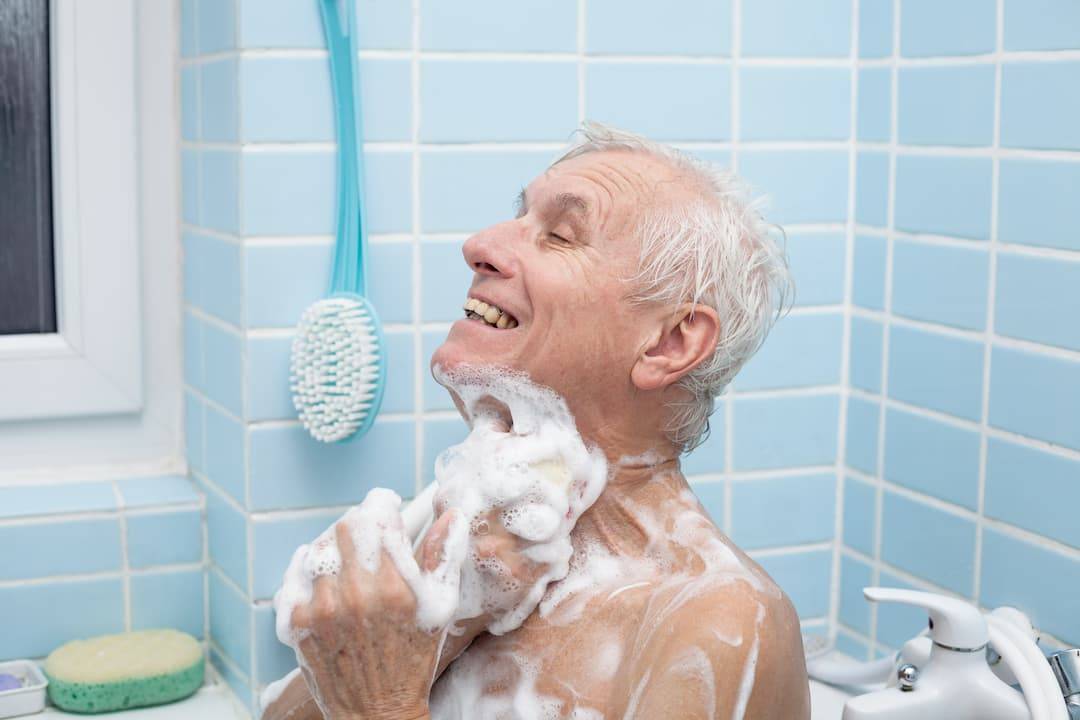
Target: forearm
(294, 703)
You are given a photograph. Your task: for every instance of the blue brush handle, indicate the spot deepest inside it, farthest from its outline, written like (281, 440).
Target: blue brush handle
(349, 272)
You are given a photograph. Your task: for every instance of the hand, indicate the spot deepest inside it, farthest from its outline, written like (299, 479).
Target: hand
(362, 653)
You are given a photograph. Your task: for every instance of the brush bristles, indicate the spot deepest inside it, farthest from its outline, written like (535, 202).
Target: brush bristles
(335, 368)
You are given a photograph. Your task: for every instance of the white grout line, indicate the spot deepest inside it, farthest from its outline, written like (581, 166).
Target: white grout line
(420, 366)
(581, 42)
(125, 556)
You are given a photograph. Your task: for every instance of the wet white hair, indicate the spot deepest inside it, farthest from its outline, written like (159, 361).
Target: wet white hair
(715, 250)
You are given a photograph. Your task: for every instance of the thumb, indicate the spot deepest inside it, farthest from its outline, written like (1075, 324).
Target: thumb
(431, 550)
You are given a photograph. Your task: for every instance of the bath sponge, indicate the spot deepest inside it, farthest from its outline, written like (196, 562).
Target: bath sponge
(116, 672)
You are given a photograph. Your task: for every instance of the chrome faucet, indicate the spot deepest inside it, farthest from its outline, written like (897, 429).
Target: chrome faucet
(1066, 666)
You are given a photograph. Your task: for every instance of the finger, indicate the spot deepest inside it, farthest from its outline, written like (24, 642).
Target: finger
(430, 552)
(324, 606)
(393, 591)
(350, 566)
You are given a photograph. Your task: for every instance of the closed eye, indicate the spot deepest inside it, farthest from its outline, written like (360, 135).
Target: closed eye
(560, 239)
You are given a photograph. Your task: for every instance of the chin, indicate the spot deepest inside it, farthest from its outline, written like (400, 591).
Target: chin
(468, 343)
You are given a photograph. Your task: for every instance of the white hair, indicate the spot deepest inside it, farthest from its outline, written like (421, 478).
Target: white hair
(716, 250)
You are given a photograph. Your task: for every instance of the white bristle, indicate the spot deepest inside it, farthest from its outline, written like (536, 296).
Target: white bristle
(336, 365)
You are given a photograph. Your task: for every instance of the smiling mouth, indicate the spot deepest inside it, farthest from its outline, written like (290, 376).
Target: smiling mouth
(489, 314)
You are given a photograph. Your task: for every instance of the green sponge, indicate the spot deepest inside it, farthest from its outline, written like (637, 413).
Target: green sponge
(116, 672)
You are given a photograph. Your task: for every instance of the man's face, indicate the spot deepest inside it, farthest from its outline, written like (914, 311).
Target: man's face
(559, 271)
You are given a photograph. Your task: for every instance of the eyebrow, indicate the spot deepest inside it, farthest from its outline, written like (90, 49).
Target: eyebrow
(565, 201)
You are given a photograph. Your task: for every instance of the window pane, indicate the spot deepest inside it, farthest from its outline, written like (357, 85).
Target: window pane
(27, 300)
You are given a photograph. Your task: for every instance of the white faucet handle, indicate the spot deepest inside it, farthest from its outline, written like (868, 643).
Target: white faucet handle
(954, 623)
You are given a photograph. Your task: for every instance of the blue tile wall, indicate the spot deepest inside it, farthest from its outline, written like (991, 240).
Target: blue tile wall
(1035, 395)
(962, 27)
(275, 540)
(963, 102)
(168, 600)
(860, 513)
(1039, 105)
(218, 104)
(804, 577)
(874, 121)
(946, 556)
(941, 284)
(854, 609)
(875, 28)
(816, 339)
(817, 264)
(872, 188)
(165, 539)
(1038, 299)
(822, 96)
(865, 354)
(785, 431)
(804, 186)
(47, 548)
(783, 511)
(932, 457)
(463, 192)
(861, 445)
(530, 25)
(1037, 203)
(943, 195)
(709, 457)
(52, 614)
(820, 29)
(1019, 479)
(868, 285)
(680, 27)
(1041, 25)
(954, 385)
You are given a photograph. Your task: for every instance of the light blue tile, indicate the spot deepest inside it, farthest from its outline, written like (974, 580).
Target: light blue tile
(526, 25)
(293, 193)
(935, 371)
(868, 283)
(238, 682)
(165, 539)
(944, 555)
(226, 529)
(1048, 186)
(1015, 573)
(940, 283)
(1020, 481)
(273, 660)
(52, 614)
(217, 26)
(1039, 105)
(70, 547)
(188, 23)
(872, 188)
(189, 181)
(613, 94)
(219, 190)
(225, 452)
(168, 600)
(932, 457)
(447, 278)
(289, 100)
(804, 577)
(875, 28)
(383, 24)
(215, 265)
(224, 367)
(641, 27)
(874, 119)
(535, 101)
(230, 626)
(790, 28)
(193, 259)
(466, 191)
(291, 470)
(814, 339)
(709, 456)
(866, 349)
(436, 396)
(898, 623)
(852, 647)
(823, 96)
(1035, 395)
(854, 607)
(711, 496)
(805, 186)
(961, 27)
(862, 434)
(189, 103)
(157, 491)
(219, 100)
(28, 500)
(963, 101)
(194, 424)
(1042, 25)
(817, 263)
(943, 195)
(439, 435)
(275, 541)
(399, 394)
(193, 351)
(267, 378)
(783, 511)
(860, 513)
(1038, 299)
(785, 432)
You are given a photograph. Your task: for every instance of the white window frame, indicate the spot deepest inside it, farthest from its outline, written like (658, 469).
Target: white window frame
(92, 364)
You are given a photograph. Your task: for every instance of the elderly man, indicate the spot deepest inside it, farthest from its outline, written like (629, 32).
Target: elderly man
(635, 282)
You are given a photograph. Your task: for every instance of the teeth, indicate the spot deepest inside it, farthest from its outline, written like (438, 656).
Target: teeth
(511, 325)
(502, 322)
(480, 308)
(492, 314)
(470, 304)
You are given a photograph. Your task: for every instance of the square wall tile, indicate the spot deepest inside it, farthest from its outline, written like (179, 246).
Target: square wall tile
(790, 28)
(785, 431)
(1039, 105)
(226, 530)
(1035, 395)
(536, 100)
(804, 576)
(275, 541)
(219, 100)
(436, 396)
(613, 93)
(641, 27)
(1038, 299)
(854, 607)
(71, 547)
(865, 354)
(237, 681)
(212, 276)
(783, 511)
(230, 624)
(872, 188)
(1020, 480)
(51, 614)
(711, 496)
(273, 660)
(940, 283)
(527, 25)
(860, 515)
(219, 190)
(939, 372)
(874, 121)
(267, 378)
(861, 447)
(189, 103)
(932, 457)
(399, 393)
(165, 538)
(193, 352)
(804, 186)
(223, 362)
(823, 96)
(943, 195)
(168, 600)
(194, 435)
(188, 33)
(189, 184)
(225, 452)
(1042, 25)
(961, 27)
(382, 24)
(928, 542)
(814, 339)
(446, 281)
(817, 263)
(1048, 186)
(868, 283)
(216, 26)
(962, 97)
(466, 191)
(875, 28)
(708, 457)
(29, 500)
(898, 623)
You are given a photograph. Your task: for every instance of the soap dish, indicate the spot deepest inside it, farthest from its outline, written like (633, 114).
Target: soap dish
(25, 700)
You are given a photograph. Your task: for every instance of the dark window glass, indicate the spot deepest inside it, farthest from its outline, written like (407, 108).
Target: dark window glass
(27, 292)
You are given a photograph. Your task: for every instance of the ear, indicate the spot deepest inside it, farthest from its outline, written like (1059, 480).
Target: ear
(687, 339)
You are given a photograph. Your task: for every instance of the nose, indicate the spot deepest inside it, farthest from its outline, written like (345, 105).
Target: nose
(489, 253)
